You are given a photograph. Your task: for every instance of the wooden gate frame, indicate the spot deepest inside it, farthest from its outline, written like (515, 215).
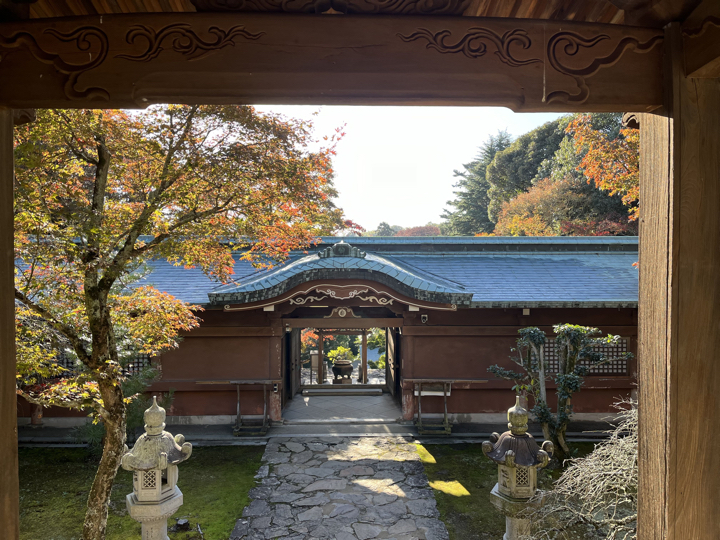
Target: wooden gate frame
(670, 76)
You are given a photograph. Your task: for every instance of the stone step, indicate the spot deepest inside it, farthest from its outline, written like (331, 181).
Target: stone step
(339, 421)
(342, 392)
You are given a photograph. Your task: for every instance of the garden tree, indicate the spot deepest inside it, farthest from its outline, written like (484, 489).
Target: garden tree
(340, 353)
(598, 490)
(470, 216)
(423, 230)
(564, 207)
(513, 169)
(563, 201)
(610, 158)
(375, 340)
(98, 194)
(384, 229)
(577, 352)
(309, 339)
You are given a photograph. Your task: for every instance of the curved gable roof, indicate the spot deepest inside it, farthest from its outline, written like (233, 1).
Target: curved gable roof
(497, 272)
(343, 261)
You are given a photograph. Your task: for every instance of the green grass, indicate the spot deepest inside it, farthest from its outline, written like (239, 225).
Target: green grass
(54, 485)
(462, 478)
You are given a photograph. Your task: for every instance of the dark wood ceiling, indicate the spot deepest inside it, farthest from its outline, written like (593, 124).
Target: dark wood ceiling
(653, 13)
(574, 10)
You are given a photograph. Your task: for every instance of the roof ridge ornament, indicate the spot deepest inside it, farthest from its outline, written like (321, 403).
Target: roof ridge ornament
(341, 249)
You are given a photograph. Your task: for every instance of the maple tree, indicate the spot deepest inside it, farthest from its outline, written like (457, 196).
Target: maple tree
(611, 162)
(309, 339)
(99, 194)
(423, 230)
(563, 207)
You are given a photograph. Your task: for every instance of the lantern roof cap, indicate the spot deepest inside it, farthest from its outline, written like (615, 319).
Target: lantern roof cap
(156, 448)
(516, 447)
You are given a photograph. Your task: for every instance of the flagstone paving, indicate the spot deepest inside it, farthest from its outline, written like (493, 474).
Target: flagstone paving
(341, 488)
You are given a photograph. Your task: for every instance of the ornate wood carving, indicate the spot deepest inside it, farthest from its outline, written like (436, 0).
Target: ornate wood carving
(343, 313)
(378, 300)
(305, 299)
(24, 116)
(710, 20)
(183, 40)
(561, 47)
(474, 43)
(86, 39)
(564, 45)
(341, 292)
(701, 41)
(365, 7)
(631, 120)
(132, 61)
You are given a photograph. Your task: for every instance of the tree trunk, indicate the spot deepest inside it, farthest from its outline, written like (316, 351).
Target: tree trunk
(113, 449)
(546, 431)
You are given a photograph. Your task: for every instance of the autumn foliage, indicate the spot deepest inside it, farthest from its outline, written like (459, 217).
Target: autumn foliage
(611, 163)
(423, 230)
(558, 208)
(100, 194)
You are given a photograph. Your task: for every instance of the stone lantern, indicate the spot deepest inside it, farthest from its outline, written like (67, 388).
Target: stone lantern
(518, 457)
(153, 460)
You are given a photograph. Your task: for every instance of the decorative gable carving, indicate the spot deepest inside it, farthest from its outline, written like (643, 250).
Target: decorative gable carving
(343, 313)
(341, 249)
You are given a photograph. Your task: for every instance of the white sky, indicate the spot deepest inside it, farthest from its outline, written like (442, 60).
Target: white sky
(395, 164)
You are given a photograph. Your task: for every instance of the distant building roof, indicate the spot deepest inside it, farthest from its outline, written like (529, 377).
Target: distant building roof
(467, 271)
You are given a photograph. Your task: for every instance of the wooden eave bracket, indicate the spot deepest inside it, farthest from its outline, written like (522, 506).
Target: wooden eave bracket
(701, 41)
(631, 120)
(24, 116)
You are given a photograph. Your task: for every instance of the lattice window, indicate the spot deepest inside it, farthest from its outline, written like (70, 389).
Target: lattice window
(149, 480)
(67, 361)
(138, 363)
(615, 367)
(522, 477)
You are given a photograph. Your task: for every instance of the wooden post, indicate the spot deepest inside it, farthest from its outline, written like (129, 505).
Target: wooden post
(9, 484)
(363, 377)
(321, 360)
(679, 338)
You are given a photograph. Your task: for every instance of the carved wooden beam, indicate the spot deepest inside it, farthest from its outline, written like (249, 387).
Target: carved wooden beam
(354, 7)
(136, 60)
(701, 41)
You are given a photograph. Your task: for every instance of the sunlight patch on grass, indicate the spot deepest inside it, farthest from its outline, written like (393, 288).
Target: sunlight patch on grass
(454, 488)
(54, 485)
(425, 456)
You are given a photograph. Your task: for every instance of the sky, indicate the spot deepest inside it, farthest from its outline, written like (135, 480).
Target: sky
(395, 164)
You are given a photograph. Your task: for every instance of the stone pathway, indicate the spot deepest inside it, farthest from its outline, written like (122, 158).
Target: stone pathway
(341, 488)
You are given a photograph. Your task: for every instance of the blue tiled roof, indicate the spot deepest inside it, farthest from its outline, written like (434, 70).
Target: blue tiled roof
(491, 271)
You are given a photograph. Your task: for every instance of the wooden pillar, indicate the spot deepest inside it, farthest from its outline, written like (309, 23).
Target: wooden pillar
(363, 376)
(679, 334)
(9, 485)
(321, 360)
(275, 368)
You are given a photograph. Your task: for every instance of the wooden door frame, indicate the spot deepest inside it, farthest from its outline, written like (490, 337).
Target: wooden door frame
(401, 60)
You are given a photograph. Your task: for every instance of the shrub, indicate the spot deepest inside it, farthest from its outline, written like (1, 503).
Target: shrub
(596, 496)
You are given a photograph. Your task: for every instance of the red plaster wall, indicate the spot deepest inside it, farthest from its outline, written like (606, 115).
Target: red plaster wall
(468, 356)
(202, 357)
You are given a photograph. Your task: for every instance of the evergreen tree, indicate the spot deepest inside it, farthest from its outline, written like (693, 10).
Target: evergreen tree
(470, 216)
(513, 169)
(384, 229)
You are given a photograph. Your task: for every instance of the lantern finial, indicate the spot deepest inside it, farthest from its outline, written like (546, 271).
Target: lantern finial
(517, 417)
(154, 418)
